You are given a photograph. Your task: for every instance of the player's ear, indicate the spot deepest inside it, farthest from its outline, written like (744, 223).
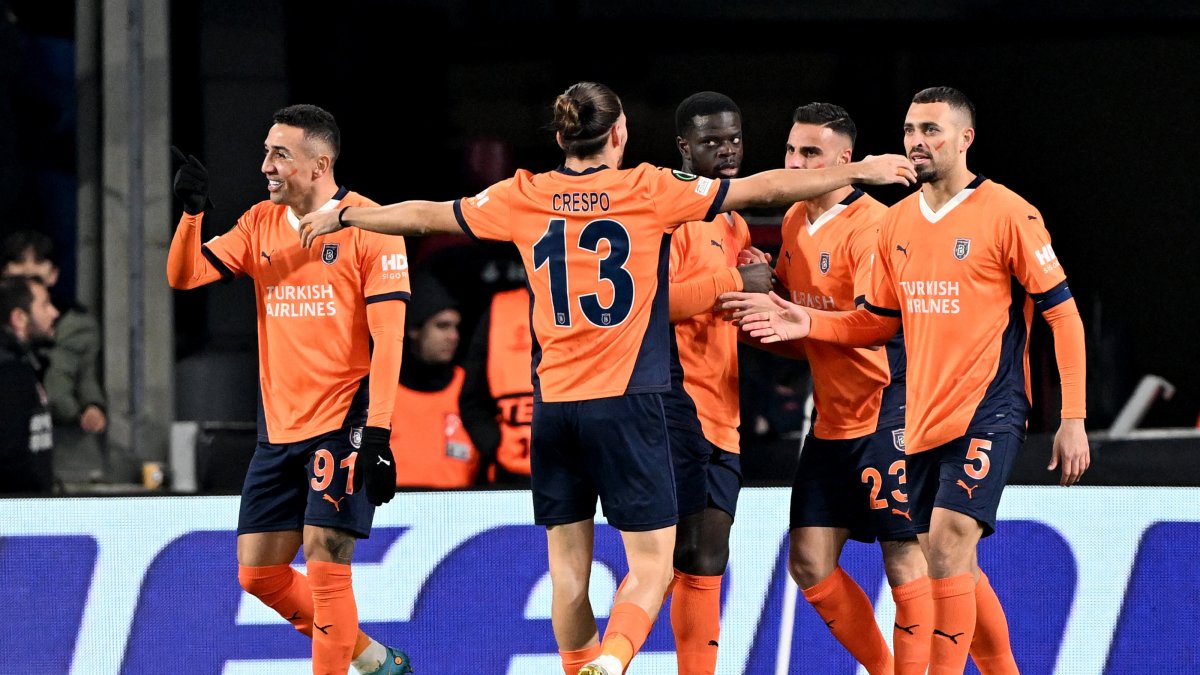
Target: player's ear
(846, 156)
(967, 138)
(685, 150)
(324, 162)
(614, 136)
(558, 139)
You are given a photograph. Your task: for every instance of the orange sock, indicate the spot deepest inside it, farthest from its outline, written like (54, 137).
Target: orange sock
(847, 611)
(914, 626)
(991, 649)
(283, 589)
(335, 617)
(286, 591)
(577, 658)
(953, 624)
(696, 621)
(628, 626)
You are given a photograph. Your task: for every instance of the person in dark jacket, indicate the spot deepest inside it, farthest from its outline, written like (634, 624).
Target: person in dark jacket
(26, 431)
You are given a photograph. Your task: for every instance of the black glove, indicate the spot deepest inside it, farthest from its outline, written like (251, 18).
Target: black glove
(375, 467)
(191, 183)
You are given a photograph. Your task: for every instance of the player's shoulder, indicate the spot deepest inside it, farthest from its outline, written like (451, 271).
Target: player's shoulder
(355, 199)
(793, 218)
(1002, 201)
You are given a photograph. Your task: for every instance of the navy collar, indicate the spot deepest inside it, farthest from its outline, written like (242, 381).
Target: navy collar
(852, 197)
(571, 172)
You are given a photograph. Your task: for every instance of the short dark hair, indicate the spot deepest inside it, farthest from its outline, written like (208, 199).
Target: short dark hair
(16, 292)
(316, 122)
(583, 115)
(699, 104)
(950, 96)
(828, 115)
(27, 243)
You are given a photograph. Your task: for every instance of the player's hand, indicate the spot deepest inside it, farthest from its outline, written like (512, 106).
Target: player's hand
(318, 223)
(751, 255)
(375, 467)
(191, 183)
(1071, 451)
(756, 277)
(782, 321)
(736, 306)
(886, 169)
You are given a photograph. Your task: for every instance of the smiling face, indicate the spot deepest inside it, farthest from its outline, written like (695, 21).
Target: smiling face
(712, 147)
(936, 138)
(292, 165)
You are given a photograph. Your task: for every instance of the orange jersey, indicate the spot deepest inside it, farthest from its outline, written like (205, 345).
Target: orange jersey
(958, 278)
(593, 248)
(708, 343)
(827, 265)
(313, 340)
(430, 444)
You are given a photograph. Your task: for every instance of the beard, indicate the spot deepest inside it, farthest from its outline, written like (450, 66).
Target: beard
(927, 174)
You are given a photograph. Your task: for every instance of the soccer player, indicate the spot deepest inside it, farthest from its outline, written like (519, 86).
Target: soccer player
(850, 482)
(702, 406)
(963, 262)
(323, 425)
(593, 239)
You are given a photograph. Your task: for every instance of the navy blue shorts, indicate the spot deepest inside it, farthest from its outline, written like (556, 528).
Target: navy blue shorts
(290, 485)
(966, 475)
(858, 484)
(705, 475)
(612, 448)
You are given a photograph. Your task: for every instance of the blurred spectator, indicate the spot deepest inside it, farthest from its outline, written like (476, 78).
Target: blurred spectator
(71, 363)
(26, 432)
(497, 396)
(431, 447)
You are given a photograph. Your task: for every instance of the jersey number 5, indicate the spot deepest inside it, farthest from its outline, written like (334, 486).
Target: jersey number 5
(551, 251)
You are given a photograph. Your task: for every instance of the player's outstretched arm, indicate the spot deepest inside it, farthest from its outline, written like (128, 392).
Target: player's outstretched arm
(783, 187)
(186, 265)
(414, 218)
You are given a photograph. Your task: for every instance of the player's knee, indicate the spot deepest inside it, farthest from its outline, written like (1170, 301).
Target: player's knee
(329, 545)
(264, 582)
(903, 561)
(807, 569)
(701, 560)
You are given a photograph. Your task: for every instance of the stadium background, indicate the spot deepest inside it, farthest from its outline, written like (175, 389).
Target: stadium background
(1086, 109)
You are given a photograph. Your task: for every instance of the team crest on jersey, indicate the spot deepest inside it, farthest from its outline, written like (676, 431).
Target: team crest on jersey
(961, 248)
(823, 264)
(560, 318)
(684, 176)
(329, 254)
(356, 437)
(898, 439)
(605, 319)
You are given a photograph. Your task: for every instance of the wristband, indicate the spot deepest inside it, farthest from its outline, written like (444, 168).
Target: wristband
(341, 213)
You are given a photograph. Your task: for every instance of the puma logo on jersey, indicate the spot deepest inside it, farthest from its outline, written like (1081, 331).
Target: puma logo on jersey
(903, 249)
(716, 243)
(969, 489)
(337, 503)
(267, 255)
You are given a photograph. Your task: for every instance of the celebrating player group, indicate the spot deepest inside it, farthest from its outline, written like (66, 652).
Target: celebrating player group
(914, 319)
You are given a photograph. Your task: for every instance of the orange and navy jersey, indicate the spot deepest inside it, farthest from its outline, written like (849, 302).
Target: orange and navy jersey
(961, 279)
(510, 377)
(707, 343)
(595, 247)
(313, 340)
(430, 443)
(827, 265)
